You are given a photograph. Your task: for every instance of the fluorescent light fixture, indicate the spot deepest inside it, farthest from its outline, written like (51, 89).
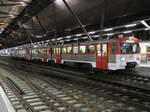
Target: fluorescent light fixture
(68, 40)
(92, 32)
(68, 37)
(108, 29)
(130, 25)
(127, 32)
(84, 37)
(62, 41)
(47, 40)
(96, 36)
(53, 39)
(110, 34)
(59, 38)
(145, 24)
(75, 39)
(146, 29)
(78, 35)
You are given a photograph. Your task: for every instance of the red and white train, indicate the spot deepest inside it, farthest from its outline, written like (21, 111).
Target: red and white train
(112, 54)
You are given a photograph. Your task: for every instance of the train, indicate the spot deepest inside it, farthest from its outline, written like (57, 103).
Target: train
(145, 52)
(107, 54)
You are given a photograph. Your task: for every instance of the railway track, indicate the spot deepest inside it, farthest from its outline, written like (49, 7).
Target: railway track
(96, 95)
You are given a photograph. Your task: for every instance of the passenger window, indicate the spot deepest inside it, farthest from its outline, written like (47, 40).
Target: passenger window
(113, 48)
(75, 49)
(90, 49)
(64, 50)
(69, 49)
(57, 50)
(99, 48)
(82, 49)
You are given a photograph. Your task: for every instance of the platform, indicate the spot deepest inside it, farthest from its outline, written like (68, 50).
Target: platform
(146, 65)
(5, 105)
(143, 70)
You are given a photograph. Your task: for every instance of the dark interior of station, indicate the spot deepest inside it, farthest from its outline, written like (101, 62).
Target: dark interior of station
(74, 56)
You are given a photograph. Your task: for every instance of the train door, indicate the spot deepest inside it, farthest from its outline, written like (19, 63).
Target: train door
(58, 55)
(102, 56)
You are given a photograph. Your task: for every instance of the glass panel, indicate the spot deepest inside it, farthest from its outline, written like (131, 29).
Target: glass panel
(90, 49)
(64, 50)
(148, 49)
(113, 48)
(54, 50)
(104, 49)
(75, 49)
(99, 48)
(57, 50)
(82, 49)
(130, 48)
(69, 49)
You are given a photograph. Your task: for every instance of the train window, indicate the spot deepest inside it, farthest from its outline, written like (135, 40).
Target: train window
(57, 50)
(130, 48)
(69, 49)
(64, 50)
(104, 48)
(82, 49)
(75, 49)
(99, 48)
(113, 48)
(90, 49)
(148, 49)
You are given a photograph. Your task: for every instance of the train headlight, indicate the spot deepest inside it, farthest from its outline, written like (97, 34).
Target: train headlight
(123, 59)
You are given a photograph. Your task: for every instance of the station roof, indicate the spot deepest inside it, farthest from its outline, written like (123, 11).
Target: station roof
(30, 21)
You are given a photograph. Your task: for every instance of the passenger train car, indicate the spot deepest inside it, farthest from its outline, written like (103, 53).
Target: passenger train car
(112, 54)
(145, 51)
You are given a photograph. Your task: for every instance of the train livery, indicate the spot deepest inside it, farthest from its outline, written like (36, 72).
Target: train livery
(109, 54)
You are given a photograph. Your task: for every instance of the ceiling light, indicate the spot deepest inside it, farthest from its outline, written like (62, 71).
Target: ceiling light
(91, 32)
(109, 29)
(130, 25)
(147, 29)
(78, 35)
(68, 40)
(145, 24)
(96, 36)
(110, 34)
(68, 37)
(75, 39)
(127, 32)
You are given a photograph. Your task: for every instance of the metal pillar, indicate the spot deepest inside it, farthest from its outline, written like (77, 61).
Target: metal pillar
(77, 20)
(103, 18)
(42, 27)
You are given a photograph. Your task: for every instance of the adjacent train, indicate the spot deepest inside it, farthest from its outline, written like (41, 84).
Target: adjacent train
(109, 54)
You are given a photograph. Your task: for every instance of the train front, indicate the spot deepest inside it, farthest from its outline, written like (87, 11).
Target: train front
(129, 51)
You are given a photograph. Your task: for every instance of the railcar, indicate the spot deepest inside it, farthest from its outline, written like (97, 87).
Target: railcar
(145, 51)
(110, 54)
(114, 54)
